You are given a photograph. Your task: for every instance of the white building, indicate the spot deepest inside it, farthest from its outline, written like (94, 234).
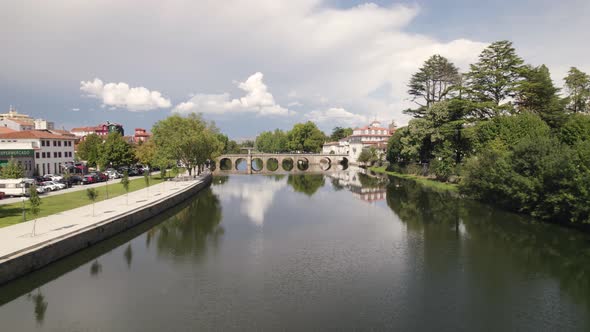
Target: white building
(52, 152)
(41, 124)
(372, 135)
(17, 124)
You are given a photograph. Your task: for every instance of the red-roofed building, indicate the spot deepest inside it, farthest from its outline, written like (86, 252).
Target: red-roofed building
(141, 135)
(52, 152)
(366, 137)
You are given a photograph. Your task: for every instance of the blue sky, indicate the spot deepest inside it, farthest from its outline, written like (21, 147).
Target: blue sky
(258, 65)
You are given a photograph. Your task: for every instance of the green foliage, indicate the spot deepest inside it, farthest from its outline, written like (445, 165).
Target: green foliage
(272, 142)
(125, 181)
(576, 129)
(89, 149)
(369, 156)
(577, 85)
(435, 81)
(339, 133)
(34, 201)
(146, 153)
(305, 137)
(146, 178)
(229, 146)
(190, 140)
(115, 151)
(92, 194)
(12, 170)
(536, 93)
(495, 76)
(306, 183)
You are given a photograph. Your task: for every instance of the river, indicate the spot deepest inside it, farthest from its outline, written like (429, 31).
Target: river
(341, 251)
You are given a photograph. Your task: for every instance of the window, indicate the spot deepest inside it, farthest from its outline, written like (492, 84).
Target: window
(59, 154)
(42, 143)
(54, 143)
(42, 154)
(58, 143)
(55, 155)
(37, 155)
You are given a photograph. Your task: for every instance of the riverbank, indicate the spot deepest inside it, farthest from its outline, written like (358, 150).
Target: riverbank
(62, 234)
(12, 213)
(437, 185)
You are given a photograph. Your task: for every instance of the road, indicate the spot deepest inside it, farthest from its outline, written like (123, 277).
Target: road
(68, 190)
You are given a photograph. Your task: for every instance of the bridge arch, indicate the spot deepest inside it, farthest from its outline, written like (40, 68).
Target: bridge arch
(288, 164)
(257, 164)
(325, 164)
(302, 163)
(240, 161)
(272, 164)
(225, 164)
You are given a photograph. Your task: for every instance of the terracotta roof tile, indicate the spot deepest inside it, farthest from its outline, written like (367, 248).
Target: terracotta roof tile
(33, 134)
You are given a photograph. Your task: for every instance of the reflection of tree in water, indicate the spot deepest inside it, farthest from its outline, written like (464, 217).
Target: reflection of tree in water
(40, 306)
(272, 164)
(95, 268)
(306, 183)
(372, 181)
(128, 255)
(193, 229)
(278, 177)
(336, 185)
(495, 240)
(219, 180)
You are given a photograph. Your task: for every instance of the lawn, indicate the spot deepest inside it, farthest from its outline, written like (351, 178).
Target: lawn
(420, 179)
(11, 214)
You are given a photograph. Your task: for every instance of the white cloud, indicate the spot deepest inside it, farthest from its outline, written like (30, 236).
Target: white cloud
(337, 116)
(75, 109)
(314, 52)
(257, 100)
(120, 95)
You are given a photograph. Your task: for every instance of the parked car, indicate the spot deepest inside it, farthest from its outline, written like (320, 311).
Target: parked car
(102, 177)
(53, 177)
(112, 174)
(52, 186)
(89, 179)
(75, 179)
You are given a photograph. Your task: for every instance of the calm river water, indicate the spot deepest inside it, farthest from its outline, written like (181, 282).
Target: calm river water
(343, 251)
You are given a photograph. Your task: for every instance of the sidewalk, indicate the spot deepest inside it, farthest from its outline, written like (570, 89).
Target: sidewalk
(18, 238)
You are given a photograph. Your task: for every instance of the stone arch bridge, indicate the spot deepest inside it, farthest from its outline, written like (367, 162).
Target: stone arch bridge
(289, 162)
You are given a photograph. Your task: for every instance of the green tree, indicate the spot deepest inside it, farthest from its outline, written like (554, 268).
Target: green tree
(116, 151)
(92, 195)
(495, 76)
(190, 140)
(577, 86)
(575, 129)
(125, 183)
(12, 170)
(339, 133)
(435, 81)
(89, 149)
(34, 204)
(536, 93)
(271, 142)
(305, 137)
(146, 153)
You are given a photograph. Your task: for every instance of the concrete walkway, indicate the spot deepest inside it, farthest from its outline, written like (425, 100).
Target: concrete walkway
(18, 238)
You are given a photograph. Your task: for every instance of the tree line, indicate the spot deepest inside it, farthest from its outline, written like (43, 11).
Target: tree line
(190, 140)
(304, 137)
(504, 131)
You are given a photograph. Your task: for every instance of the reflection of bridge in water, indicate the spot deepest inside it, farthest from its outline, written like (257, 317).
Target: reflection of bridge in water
(265, 163)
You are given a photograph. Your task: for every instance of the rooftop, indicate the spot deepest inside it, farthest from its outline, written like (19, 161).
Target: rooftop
(33, 134)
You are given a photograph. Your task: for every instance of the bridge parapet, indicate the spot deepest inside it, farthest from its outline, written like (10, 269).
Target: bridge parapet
(299, 161)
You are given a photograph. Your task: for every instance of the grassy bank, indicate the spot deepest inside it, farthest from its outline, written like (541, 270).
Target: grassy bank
(11, 214)
(420, 179)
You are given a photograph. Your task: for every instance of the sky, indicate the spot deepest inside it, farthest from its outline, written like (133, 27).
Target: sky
(258, 65)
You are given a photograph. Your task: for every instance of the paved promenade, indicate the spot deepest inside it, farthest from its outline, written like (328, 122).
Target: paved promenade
(18, 238)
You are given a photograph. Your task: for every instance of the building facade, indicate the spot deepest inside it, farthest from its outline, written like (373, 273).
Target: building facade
(17, 124)
(22, 153)
(102, 130)
(52, 152)
(373, 135)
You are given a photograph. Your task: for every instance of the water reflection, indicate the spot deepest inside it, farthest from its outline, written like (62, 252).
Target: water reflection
(254, 197)
(493, 240)
(306, 183)
(39, 305)
(363, 186)
(192, 231)
(95, 268)
(128, 255)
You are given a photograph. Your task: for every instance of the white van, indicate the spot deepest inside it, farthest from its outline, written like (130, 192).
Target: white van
(17, 187)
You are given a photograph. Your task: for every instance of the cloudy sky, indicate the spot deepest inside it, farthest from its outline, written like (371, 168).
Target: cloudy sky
(253, 65)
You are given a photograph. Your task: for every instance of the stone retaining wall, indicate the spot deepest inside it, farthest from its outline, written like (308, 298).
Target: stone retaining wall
(34, 258)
